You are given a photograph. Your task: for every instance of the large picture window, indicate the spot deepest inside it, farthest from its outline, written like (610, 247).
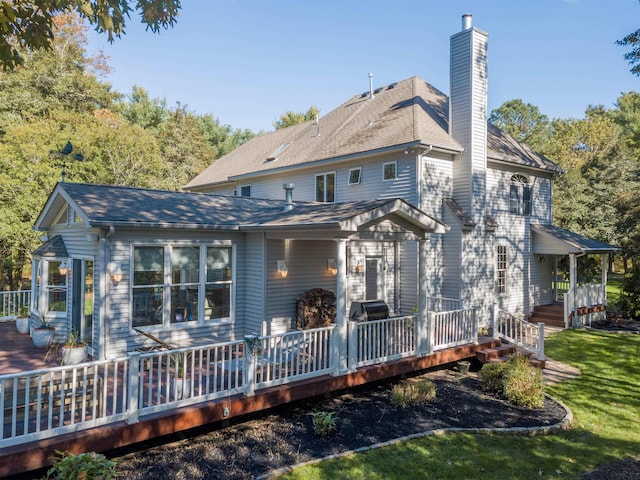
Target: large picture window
(326, 187)
(199, 288)
(519, 195)
(148, 286)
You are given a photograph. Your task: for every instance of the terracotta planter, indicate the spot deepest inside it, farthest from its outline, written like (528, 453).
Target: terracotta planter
(42, 337)
(22, 324)
(74, 355)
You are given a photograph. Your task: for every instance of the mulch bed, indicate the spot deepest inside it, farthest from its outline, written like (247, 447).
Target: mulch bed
(284, 436)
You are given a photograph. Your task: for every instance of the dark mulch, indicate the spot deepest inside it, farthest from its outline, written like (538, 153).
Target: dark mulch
(284, 436)
(617, 322)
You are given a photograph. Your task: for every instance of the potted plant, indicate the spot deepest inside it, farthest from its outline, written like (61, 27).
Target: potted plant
(180, 384)
(42, 336)
(74, 350)
(22, 320)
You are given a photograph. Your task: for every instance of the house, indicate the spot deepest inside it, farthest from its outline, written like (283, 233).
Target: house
(399, 194)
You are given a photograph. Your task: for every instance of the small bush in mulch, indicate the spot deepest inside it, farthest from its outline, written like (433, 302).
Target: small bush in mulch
(324, 423)
(516, 380)
(414, 392)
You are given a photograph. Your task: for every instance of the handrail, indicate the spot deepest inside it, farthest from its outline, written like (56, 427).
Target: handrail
(11, 301)
(521, 332)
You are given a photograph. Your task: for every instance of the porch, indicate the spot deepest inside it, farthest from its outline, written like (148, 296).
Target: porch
(111, 403)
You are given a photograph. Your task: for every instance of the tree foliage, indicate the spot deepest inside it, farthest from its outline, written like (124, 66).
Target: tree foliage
(288, 119)
(524, 122)
(632, 56)
(30, 25)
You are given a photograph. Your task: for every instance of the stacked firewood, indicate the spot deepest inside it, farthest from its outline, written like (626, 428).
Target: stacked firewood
(315, 308)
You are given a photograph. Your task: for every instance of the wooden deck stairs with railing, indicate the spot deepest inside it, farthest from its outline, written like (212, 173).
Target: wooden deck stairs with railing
(503, 352)
(552, 315)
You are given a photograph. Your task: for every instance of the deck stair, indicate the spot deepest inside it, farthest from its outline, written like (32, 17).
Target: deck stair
(503, 352)
(552, 315)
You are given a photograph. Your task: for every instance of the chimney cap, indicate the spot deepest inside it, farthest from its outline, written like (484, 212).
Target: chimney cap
(466, 21)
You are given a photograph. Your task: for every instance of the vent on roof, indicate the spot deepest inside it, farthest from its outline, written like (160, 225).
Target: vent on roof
(364, 95)
(377, 90)
(393, 85)
(278, 151)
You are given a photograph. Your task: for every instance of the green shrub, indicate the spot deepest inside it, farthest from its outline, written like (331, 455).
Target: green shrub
(84, 466)
(523, 383)
(516, 380)
(413, 392)
(492, 377)
(324, 423)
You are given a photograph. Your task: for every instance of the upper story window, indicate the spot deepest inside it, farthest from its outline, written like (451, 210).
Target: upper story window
(326, 187)
(245, 190)
(63, 219)
(519, 195)
(390, 171)
(355, 176)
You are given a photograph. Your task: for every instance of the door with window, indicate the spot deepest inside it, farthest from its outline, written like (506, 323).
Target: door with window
(83, 298)
(374, 279)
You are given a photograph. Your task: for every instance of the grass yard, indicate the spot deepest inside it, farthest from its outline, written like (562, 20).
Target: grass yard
(605, 401)
(614, 290)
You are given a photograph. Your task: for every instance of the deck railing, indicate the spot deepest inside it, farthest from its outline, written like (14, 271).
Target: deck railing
(10, 302)
(518, 331)
(45, 403)
(582, 304)
(443, 304)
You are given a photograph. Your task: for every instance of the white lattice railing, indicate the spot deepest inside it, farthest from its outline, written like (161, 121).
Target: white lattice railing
(454, 328)
(379, 341)
(10, 302)
(518, 331)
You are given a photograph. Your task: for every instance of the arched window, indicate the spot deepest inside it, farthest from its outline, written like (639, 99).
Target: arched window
(520, 195)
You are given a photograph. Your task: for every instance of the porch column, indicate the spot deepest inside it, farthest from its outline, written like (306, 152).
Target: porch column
(605, 266)
(339, 351)
(422, 347)
(573, 273)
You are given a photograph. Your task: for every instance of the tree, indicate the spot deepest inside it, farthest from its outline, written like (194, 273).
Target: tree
(633, 56)
(290, 118)
(223, 138)
(524, 122)
(30, 24)
(141, 110)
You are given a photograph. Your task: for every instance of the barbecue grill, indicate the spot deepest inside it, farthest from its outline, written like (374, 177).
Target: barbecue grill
(368, 310)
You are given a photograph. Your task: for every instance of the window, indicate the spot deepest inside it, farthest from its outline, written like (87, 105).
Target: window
(148, 286)
(389, 171)
(501, 269)
(325, 187)
(56, 288)
(277, 152)
(355, 175)
(519, 195)
(199, 285)
(63, 219)
(245, 190)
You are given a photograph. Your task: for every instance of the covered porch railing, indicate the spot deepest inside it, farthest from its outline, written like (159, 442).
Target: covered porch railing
(45, 403)
(10, 303)
(589, 301)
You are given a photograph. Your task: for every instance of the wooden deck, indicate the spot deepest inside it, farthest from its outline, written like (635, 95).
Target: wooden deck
(33, 455)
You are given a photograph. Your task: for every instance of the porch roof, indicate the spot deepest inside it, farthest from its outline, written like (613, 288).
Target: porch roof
(54, 247)
(103, 206)
(549, 239)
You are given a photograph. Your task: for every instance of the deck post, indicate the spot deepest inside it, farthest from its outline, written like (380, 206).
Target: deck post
(541, 341)
(431, 322)
(133, 387)
(353, 345)
(253, 347)
(339, 352)
(422, 332)
(573, 272)
(495, 315)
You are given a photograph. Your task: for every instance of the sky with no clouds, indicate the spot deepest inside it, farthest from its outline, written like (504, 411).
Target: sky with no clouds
(248, 61)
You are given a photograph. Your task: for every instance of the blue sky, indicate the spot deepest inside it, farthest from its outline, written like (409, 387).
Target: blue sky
(248, 61)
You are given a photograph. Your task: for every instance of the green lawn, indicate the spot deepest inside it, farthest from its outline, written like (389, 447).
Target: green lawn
(614, 289)
(605, 401)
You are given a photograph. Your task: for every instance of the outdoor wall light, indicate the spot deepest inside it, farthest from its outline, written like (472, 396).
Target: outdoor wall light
(540, 259)
(282, 269)
(359, 267)
(332, 266)
(64, 268)
(116, 274)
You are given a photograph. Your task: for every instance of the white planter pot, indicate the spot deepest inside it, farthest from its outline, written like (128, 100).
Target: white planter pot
(179, 388)
(42, 337)
(74, 355)
(22, 324)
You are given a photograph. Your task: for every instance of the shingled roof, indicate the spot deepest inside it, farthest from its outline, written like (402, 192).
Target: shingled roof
(409, 112)
(106, 206)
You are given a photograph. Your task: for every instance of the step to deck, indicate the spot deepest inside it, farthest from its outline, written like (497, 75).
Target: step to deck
(487, 354)
(552, 315)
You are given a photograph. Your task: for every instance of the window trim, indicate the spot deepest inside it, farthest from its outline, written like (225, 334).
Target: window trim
(395, 171)
(248, 185)
(166, 323)
(355, 169)
(502, 288)
(522, 203)
(315, 185)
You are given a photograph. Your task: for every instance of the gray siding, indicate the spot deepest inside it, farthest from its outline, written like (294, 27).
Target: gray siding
(251, 287)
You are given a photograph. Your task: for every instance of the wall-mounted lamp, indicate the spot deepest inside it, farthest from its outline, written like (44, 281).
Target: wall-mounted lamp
(91, 237)
(540, 259)
(359, 267)
(63, 269)
(332, 266)
(282, 269)
(116, 274)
